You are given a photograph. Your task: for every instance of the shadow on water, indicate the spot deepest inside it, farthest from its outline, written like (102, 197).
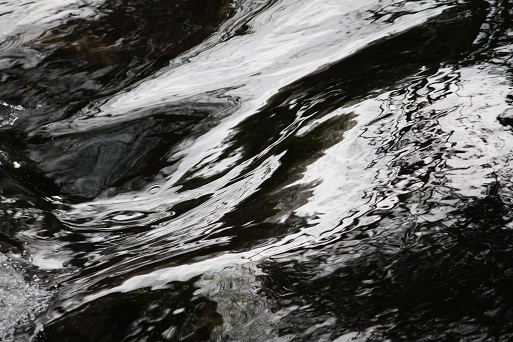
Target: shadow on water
(173, 314)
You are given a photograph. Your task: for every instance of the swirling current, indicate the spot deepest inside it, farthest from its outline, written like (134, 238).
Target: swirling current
(256, 170)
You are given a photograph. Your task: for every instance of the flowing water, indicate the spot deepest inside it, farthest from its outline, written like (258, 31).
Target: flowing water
(250, 170)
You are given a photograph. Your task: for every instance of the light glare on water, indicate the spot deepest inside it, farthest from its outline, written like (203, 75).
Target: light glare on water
(283, 170)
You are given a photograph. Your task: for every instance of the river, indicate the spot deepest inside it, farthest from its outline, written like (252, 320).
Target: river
(256, 170)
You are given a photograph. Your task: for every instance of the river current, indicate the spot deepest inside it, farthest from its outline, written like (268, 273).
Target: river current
(252, 170)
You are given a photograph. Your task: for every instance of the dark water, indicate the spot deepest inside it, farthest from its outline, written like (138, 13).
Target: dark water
(256, 170)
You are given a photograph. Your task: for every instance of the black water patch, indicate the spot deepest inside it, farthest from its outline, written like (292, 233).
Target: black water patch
(81, 165)
(172, 314)
(452, 283)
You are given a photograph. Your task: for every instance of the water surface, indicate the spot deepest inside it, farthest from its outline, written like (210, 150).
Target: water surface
(256, 170)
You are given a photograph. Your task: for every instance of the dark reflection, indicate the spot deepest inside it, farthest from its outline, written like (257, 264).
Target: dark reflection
(173, 314)
(452, 283)
(494, 34)
(82, 165)
(247, 225)
(118, 157)
(22, 203)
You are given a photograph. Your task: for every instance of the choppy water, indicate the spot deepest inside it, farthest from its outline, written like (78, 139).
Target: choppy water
(255, 170)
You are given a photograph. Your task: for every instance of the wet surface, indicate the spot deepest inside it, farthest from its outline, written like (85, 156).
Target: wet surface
(256, 170)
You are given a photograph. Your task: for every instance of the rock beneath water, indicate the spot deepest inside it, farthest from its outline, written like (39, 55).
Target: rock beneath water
(506, 118)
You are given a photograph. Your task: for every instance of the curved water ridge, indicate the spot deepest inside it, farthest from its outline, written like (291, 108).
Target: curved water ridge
(285, 45)
(315, 170)
(31, 18)
(339, 216)
(213, 174)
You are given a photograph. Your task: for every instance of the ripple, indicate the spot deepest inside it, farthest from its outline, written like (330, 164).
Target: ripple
(300, 171)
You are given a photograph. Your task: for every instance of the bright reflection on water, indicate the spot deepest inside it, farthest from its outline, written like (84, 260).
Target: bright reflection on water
(256, 170)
